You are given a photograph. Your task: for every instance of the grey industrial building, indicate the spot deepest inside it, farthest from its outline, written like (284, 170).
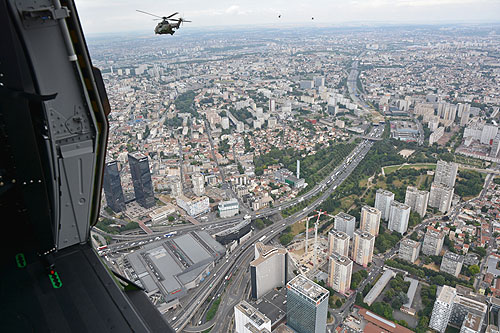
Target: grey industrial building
(175, 265)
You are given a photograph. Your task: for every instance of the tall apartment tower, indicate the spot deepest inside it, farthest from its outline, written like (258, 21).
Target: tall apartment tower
(443, 307)
(370, 220)
(141, 177)
(338, 242)
(446, 173)
(113, 187)
(417, 200)
(268, 270)
(433, 242)
(248, 319)
(399, 217)
(345, 223)
(307, 305)
(409, 250)
(451, 263)
(383, 201)
(298, 169)
(441, 197)
(363, 247)
(339, 272)
(198, 184)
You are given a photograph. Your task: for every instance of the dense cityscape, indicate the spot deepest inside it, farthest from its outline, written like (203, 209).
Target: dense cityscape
(306, 180)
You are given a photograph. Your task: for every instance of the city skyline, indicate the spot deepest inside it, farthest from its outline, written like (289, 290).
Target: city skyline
(111, 17)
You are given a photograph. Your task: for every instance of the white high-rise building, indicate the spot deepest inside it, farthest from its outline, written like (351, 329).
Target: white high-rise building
(399, 217)
(441, 197)
(224, 122)
(268, 270)
(339, 272)
(363, 247)
(198, 184)
(443, 307)
(451, 263)
(433, 242)
(446, 173)
(370, 220)
(417, 200)
(338, 242)
(248, 319)
(409, 250)
(345, 223)
(488, 134)
(383, 201)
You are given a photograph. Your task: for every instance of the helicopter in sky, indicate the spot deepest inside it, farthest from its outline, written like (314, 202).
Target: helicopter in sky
(166, 27)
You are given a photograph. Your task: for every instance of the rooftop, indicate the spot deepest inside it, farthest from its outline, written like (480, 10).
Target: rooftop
(344, 216)
(379, 286)
(363, 234)
(370, 209)
(308, 288)
(384, 192)
(410, 243)
(341, 260)
(263, 252)
(447, 294)
(255, 316)
(338, 234)
(453, 256)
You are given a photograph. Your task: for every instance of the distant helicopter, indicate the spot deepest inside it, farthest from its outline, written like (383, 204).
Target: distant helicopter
(164, 27)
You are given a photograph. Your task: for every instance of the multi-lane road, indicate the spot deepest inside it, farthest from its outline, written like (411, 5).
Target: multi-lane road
(236, 258)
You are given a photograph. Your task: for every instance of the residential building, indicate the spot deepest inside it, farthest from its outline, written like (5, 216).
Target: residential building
(339, 272)
(268, 270)
(141, 178)
(338, 242)
(443, 307)
(193, 206)
(409, 250)
(113, 187)
(451, 263)
(468, 302)
(370, 220)
(247, 317)
(446, 173)
(364, 243)
(441, 197)
(399, 217)
(229, 208)
(417, 200)
(433, 242)
(383, 200)
(307, 305)
(379, 286)
(345, 223)
(198, 184)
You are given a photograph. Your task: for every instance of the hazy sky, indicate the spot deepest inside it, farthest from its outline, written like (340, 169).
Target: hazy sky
(101, 16)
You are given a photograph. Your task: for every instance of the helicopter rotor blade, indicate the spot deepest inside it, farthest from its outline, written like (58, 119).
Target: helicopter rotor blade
(141, 11)
(173, 14)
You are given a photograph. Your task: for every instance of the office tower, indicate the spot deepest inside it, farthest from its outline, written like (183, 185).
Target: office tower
(248, 319)
(198, 184)
(443, 307)
(409, 250)
(345, 223)
(113, 187)
(441, 197)
(370, 220)
(451, 263)
(417, 200)
(399, 217)
(307, 305)
(141, 177)
(383, 201)
(433, 242)
(268, 270)
(339, 272)
(338, 242)
(446, 173)
(472, 324)
(363, 247)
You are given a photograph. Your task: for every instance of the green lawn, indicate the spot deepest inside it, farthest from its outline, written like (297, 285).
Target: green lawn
(418, 166)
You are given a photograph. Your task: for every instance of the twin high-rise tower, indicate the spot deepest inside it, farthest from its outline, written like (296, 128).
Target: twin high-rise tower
(141, 178)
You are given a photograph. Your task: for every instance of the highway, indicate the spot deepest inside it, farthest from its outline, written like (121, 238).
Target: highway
(324, 188)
